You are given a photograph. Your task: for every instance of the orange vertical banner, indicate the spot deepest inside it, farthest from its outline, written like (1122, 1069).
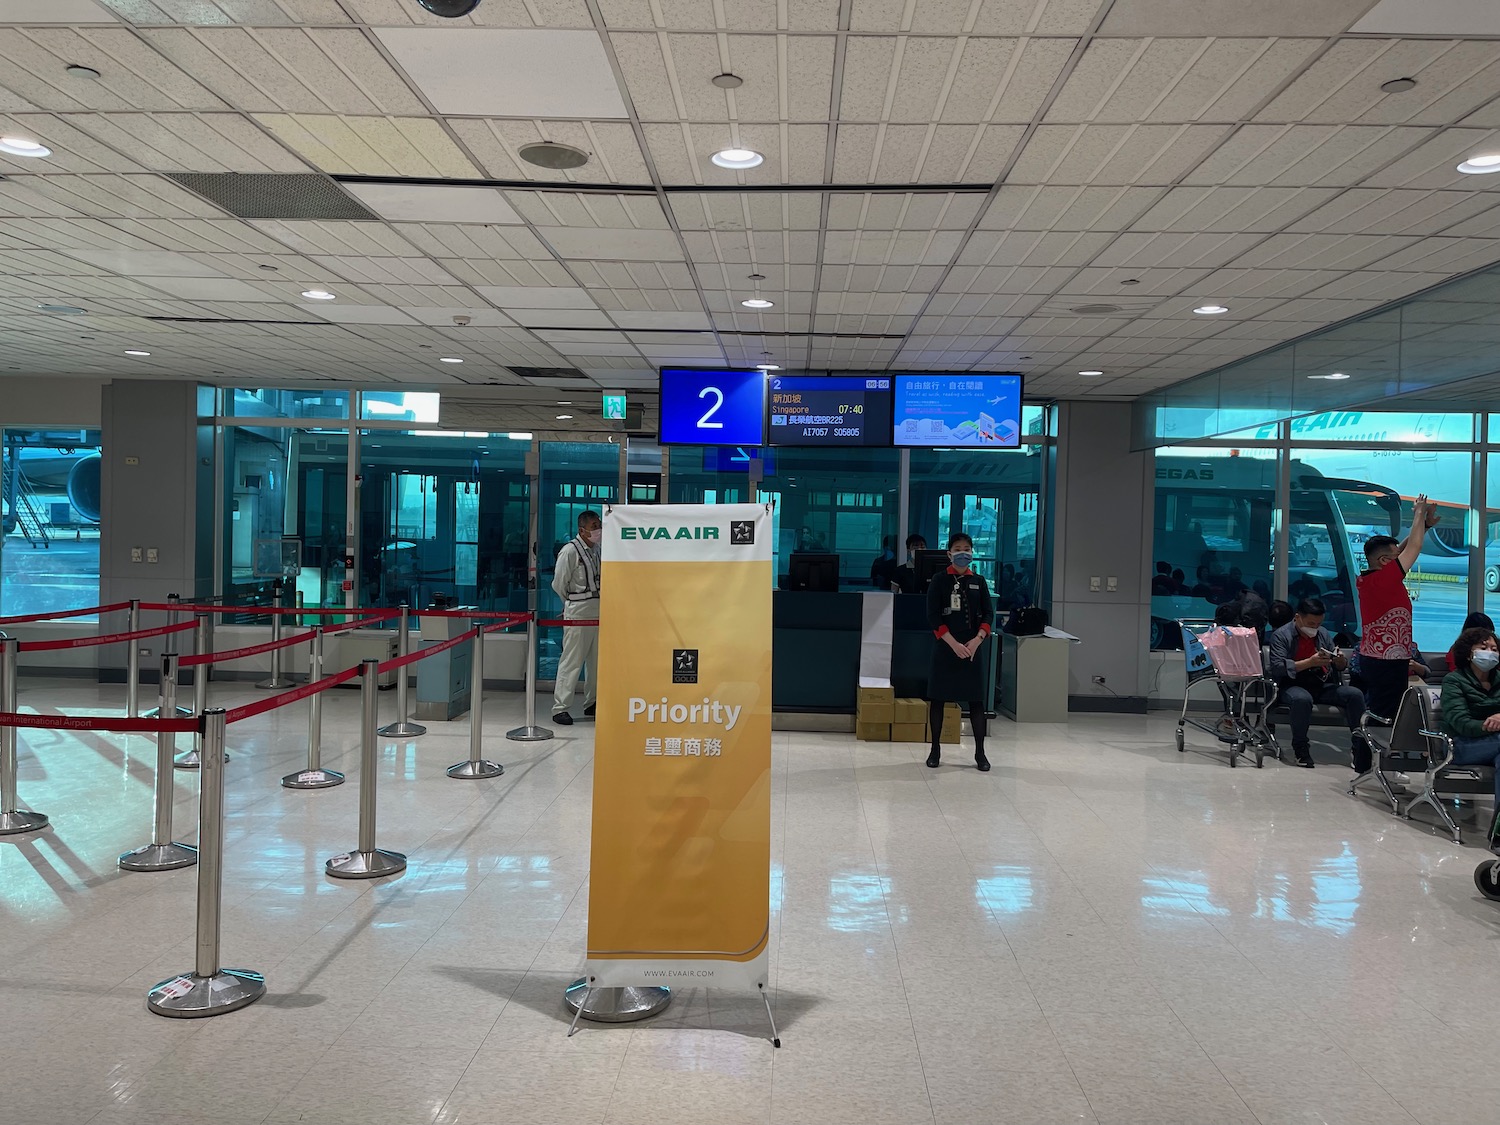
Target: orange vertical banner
(679, 877)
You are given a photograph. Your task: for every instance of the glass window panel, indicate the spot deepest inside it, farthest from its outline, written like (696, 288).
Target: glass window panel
(264, 402)
(992, 496)
(1372, 494)
(400, 406)
(49, 520)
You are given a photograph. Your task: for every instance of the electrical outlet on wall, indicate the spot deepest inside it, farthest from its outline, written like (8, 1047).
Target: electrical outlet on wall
(1112, 584)
(152, 556)
(135, 554)
(1094, 584)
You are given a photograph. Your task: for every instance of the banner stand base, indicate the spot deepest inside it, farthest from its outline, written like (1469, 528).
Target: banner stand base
(529, 734)
(775, 1035)
(613, 1005)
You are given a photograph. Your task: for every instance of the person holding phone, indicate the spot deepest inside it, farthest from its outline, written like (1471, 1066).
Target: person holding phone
(962, 616)
(1385, 645)
(1308, 668)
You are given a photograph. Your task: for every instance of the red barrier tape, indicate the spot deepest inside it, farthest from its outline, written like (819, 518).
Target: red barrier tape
(396, 662)
(511, 617)
(107, 639)
(25, 617)
(374, 618)
(241, 653)
(565, 621)
(96, 722)
(286, 698)
(248, 610)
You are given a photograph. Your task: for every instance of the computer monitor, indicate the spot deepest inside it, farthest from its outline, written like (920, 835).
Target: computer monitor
(927, 564)
(810, 570)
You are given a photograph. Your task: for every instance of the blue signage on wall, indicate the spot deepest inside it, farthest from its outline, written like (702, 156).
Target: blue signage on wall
(704, 407)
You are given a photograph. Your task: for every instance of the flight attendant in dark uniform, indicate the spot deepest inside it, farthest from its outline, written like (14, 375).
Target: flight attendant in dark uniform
(962, 615)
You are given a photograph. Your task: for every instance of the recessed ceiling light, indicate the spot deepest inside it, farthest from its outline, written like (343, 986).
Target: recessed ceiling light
(1211, 310)
(23, 146)
(756, 276)
(768, 366)
(85, 72)
(758, 303)
(518, 435)
(1481, 165)
(450, 359)
(268, 266)
(727, 81)
(564, 417)
(1091, 374)
(1131, 281)
(560, 402)
(1330, 375)
(737, 158)
(1398, 85)
(135, 351)
(317, 294)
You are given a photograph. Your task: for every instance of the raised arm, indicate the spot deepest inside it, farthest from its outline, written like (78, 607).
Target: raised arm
(1423, 516)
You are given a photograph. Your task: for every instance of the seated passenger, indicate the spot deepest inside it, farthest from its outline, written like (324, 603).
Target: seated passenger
(1473, 621)
(1278, 613)
(1308, 669)
(1471, 704)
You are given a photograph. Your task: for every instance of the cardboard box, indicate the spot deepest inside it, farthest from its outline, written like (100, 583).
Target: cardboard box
(876, 713)
(951, 730)
(911, 711)
(885, 694)
(909, 732)
(872, 732)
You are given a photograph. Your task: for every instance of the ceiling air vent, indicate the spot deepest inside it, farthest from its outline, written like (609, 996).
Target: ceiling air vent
(1095, 310)
(548, 372)
(274, 196)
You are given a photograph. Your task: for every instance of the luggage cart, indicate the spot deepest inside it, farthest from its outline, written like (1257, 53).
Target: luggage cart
(1239, 675)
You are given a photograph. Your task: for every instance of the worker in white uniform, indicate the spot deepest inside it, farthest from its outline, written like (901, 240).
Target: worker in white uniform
(576, 582)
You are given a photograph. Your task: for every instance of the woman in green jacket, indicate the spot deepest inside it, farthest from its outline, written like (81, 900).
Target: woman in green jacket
(1471, 703)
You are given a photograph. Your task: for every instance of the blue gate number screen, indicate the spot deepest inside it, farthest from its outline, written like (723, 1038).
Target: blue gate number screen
(712, 407)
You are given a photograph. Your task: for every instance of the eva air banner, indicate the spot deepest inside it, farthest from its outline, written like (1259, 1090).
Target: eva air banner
(679, 880)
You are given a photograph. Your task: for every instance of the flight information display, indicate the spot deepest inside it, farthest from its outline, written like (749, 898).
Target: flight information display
(711, 407)
(832, 410)
(963, 409)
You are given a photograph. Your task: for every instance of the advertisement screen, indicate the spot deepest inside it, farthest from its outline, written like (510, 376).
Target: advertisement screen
(958, 410)
(837, 410)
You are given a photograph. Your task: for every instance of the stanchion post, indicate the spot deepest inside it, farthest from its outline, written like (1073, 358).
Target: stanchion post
(162, 853)
(209, 990)
(133, 661)
(192, 759)
(530, 732)
(476, 767)
(314, 776)
(403, 727)
(367, 861)
(13, 818)
(277, 680)
(169, 647)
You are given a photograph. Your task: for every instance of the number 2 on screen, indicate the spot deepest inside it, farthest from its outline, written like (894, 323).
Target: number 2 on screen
(704, 423)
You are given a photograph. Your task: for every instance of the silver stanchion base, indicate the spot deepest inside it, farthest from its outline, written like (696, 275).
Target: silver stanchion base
(21, 820)
(190, 996)
(616, 1005)
(529, 734)
(366, 865)
(190, 760)
(312, 779)
(476, 771)
(182, 713)
(403, 729)
(159, 857)
(276, 682)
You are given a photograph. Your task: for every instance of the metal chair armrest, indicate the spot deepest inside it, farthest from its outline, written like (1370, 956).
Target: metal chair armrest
(1443, 739)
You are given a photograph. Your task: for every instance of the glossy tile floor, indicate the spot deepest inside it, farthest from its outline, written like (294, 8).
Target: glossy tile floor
(1100, 930)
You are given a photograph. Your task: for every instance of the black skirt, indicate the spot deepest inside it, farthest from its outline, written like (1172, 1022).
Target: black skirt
(952, 679)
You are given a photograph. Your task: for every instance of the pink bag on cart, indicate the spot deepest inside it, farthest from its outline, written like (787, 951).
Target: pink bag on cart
(1234, 651)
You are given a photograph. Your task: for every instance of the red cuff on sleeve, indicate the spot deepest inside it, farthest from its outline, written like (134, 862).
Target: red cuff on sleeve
(985, 628)
(940, 632)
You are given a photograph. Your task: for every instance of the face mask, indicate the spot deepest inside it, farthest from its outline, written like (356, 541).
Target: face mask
(1307, 630)
(1485, 659)
(595, 537)
(962, 560)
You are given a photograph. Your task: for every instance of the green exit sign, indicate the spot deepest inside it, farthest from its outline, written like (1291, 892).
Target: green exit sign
(614, 406)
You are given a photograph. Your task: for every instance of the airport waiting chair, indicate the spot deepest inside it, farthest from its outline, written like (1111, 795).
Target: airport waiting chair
(1400, 748)
(1441, 779)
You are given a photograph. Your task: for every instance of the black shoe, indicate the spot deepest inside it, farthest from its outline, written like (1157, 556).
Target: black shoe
(563, 719)
(588, 712)
(935, 759)
(981, 762)
(1305, 761)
